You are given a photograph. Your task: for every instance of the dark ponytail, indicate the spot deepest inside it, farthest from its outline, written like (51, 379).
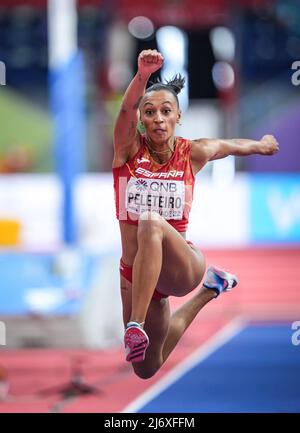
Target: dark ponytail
(175, 85)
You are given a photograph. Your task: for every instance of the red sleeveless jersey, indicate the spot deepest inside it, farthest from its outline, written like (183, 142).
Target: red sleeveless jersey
(142, 184)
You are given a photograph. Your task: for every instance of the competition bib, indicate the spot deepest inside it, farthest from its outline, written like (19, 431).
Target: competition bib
(164, 196)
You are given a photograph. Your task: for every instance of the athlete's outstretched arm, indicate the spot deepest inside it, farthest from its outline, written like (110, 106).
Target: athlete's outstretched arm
(125, 130)
(207, 149)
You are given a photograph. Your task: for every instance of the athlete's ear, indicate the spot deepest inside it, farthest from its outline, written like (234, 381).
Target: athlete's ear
(140, 126)
(178, 117)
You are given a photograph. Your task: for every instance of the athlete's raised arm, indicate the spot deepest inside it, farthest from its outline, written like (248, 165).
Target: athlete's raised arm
(207, 149)
(125, 130)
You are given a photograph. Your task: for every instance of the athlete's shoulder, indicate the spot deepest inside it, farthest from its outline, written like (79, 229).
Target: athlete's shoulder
(183, 146)
(199, 153)
(121, 160)
(183, 142)
(182, 139)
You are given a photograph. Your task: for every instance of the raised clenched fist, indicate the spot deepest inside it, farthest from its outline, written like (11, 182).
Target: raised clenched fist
(268, 145)
(149, 61)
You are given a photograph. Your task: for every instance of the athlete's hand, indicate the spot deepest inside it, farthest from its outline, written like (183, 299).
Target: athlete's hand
(268, 145)
(149, 61)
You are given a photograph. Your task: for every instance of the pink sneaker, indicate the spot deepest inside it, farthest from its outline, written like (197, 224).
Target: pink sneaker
(136, 342)
(219, 280)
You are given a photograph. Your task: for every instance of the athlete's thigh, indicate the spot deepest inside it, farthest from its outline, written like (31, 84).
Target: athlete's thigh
(183, 265)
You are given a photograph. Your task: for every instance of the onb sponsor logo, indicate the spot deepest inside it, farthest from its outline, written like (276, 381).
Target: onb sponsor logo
(167, 197)
(2, 74)
(296, 334)
(171, 198)
(2, 334)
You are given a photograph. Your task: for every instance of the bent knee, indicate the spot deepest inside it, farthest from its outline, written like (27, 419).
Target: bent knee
(144, 372)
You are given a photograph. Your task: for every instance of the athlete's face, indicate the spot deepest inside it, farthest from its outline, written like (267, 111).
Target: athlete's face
(159, 113)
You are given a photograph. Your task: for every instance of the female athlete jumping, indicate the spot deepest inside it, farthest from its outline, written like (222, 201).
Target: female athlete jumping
(154, 175)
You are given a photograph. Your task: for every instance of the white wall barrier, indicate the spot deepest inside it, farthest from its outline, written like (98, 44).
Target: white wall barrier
(220, 215)
(249, 209)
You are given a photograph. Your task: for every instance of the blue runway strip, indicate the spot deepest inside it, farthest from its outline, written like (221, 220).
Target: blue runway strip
(257, 371)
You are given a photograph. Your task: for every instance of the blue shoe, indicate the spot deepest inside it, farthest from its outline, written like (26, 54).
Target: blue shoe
(219, 281)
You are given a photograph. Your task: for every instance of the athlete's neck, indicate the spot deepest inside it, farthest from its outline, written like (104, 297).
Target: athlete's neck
(161, 152)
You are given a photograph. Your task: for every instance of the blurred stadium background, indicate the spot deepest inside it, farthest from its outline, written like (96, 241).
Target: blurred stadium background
(64, 68)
